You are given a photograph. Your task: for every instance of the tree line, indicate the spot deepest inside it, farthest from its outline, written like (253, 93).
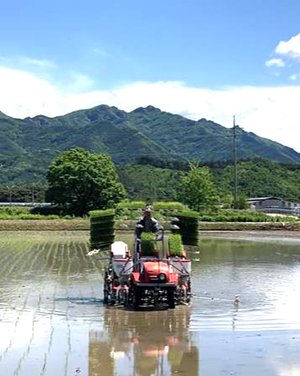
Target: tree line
(79, 181)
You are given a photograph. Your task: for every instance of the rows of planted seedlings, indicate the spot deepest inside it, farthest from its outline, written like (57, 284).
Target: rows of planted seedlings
(51, 262)
(39, 273)
(15, 266)
(42, 250)
(27, 268)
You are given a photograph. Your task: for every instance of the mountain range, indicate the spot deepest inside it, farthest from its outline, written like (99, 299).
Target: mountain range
(27, 146)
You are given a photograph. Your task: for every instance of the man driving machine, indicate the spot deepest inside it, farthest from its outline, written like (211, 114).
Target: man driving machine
(147, 223)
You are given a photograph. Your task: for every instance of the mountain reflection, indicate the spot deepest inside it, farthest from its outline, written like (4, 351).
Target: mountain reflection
(143, 343)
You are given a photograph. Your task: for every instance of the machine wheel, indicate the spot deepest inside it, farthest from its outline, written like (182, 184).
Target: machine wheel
(113, 297)
(136, 298)
(105, 290)
(171, 299)
(109, 296)
(105, 295)
(126, 298)
(189, 292)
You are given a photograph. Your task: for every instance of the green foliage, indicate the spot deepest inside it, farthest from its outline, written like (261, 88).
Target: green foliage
(102, 213)
(197, 189)
(15, 210)
(159, 141)
(27, 212)
(243, 216)
(28, 146)
(131, 205)
(27, 216)
(168, 206)
(175, 245)
(130, 209)
(203, 139)
(22, 193)
(260, 178)
(190, 213)
(128, 214)
(256, 178)
(148, 243)
(144, 182)
(241, 203)
(80, 181)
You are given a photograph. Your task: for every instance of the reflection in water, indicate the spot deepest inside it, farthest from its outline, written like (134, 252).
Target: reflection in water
(101, 361)
(265, 276)
(154, 342)
(53, 322)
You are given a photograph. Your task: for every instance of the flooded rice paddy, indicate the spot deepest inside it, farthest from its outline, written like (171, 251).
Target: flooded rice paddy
(244, 319)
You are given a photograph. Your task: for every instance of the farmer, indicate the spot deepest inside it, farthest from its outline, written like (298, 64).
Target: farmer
(147, 223)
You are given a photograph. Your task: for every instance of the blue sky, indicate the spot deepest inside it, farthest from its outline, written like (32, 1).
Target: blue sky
(211, 59)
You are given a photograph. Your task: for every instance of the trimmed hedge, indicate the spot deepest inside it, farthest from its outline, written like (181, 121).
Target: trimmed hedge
(29, 217)
(236, 217)
(168, 206)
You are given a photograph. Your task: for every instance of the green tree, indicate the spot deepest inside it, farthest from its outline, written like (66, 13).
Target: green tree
(197, 189)
(80, 181)
(241, 202)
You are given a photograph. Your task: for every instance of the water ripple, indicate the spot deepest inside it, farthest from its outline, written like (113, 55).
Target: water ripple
(244, 320)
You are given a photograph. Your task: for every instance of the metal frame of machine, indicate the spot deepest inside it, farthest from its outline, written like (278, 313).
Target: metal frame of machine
(149, 281)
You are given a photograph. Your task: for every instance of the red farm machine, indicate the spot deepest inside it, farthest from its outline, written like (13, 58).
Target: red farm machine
(149, 276)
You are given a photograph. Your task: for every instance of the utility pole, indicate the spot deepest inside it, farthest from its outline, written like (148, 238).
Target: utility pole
(234, 162)
(32, 194)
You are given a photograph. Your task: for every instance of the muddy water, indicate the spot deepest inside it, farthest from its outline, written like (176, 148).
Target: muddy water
(53, 322)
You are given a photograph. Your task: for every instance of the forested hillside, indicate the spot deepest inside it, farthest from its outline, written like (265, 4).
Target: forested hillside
(28, 146)
(256, 178)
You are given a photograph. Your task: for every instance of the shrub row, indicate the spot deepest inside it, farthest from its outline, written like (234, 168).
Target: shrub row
(244, 218)
(31, 216)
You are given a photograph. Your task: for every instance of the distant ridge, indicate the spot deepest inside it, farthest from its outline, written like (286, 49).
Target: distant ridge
(28, 146)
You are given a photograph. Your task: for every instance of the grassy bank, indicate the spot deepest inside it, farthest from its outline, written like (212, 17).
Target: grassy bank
(121, 225)
(249, 226)
(44, 225)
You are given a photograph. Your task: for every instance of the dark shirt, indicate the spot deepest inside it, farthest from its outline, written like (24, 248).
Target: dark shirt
(149, 225)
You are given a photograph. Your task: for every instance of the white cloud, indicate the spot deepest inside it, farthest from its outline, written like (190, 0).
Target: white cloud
(37, 62)
(269, 112)
(22, 94)
(290, 48)
(4, 59)
(294, 77)
(79, 83)
(100, 52)
(275, 63)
